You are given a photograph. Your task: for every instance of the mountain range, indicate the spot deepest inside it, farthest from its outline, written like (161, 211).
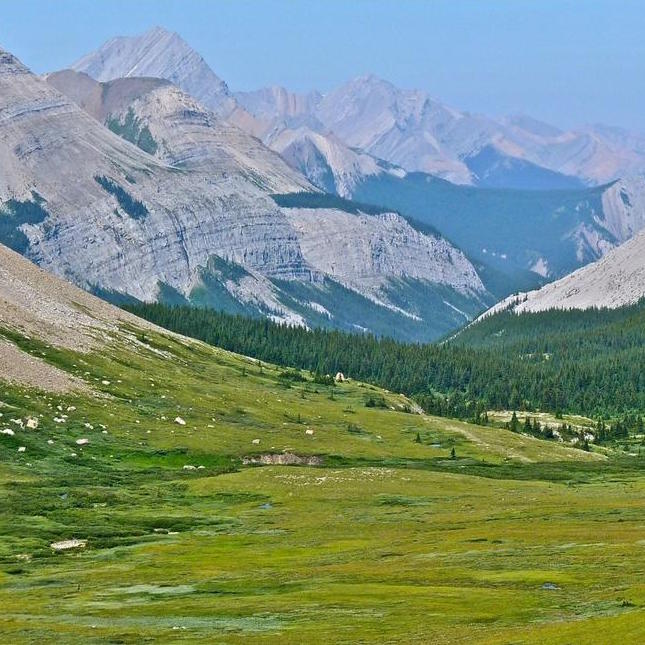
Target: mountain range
(177, 205)
(406, 128)
(369, 130)
(410, 129)
(139, 175)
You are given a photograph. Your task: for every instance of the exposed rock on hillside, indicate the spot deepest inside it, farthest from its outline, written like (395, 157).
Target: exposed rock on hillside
(615, 280)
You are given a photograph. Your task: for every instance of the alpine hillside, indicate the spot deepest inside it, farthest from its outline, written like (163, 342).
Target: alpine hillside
(127, 448)
(616, 280)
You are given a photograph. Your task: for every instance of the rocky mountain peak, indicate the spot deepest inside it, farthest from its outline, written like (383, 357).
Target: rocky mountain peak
(10, 65)
(158, 53)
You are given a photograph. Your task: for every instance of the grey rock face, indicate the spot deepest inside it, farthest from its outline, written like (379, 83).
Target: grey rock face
(623, 205)
(51, 146)
(364, 251)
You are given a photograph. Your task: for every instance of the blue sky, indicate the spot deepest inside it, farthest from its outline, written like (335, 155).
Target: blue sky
(568, 62)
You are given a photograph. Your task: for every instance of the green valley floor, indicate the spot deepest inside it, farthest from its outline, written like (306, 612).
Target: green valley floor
(186, 494)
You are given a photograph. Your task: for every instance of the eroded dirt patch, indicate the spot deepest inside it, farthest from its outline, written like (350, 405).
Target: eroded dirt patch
(283, 459)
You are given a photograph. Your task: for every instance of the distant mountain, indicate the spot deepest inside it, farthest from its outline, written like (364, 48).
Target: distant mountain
(616, 280)
(332, 153)
(276, 105)
(596, 154)
(287, 123)
(161, 54)
(405, 128)
(148, 195)
(326, 161)
(176, 129)
(491, 168)
(410, 129)
(361, 114)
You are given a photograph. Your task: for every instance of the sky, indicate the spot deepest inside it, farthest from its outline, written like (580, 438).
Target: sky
(568, 62)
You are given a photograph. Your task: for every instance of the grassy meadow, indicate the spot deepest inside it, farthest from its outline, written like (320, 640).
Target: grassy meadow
(191, 530)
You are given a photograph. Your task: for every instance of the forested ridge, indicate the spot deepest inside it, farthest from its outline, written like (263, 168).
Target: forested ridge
(586, 362)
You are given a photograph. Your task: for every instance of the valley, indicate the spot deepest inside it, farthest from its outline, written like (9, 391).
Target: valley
(328, 362)
(134, 509)
(580, 362)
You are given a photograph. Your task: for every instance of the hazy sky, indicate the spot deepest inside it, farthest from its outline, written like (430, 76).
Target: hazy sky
(568, 62)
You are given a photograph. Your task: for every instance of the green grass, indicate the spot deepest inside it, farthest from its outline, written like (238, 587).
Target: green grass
(389, 540)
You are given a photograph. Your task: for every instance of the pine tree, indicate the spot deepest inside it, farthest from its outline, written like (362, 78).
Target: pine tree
(514, 423)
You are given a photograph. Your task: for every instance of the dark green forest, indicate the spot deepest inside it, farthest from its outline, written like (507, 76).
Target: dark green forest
(588, 362)
(133, 207)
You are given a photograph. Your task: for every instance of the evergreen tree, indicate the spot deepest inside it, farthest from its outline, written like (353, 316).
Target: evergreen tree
(514, 423)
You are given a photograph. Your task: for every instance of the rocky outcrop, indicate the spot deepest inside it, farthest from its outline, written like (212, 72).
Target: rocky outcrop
(365, 251)
(623, 205)
(325, 160)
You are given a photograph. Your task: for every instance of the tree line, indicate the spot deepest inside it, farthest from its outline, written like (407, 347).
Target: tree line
(587, 363)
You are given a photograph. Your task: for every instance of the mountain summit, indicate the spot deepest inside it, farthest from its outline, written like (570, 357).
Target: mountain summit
(161, 54)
